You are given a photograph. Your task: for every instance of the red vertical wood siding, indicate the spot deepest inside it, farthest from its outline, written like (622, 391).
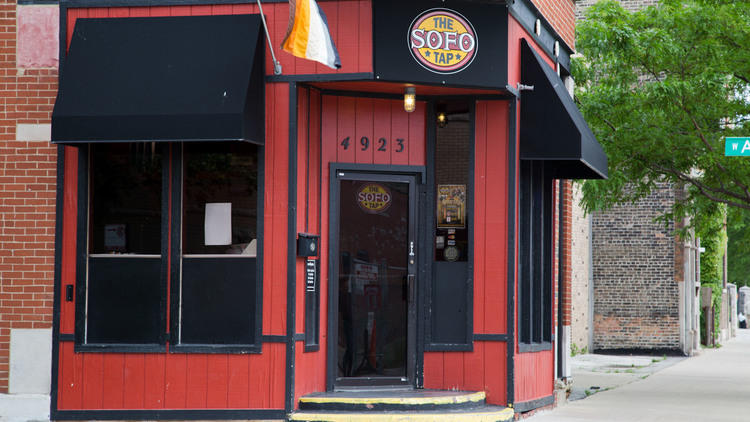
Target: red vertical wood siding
(332, 119)
(533, 372)
(349, 21)
(187, 381)
(515, 33)
(484, 369)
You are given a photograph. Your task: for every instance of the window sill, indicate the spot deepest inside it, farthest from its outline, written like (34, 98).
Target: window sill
(119, 348)
(216, 348)
(534, 347)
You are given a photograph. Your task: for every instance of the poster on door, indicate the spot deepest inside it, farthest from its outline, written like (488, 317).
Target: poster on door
(451, 206)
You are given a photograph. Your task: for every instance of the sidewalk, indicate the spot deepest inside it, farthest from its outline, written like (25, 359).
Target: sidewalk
(594, 373)
(24, 407)
(714, 386)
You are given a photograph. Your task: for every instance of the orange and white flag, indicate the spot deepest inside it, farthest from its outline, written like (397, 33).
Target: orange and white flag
(308, 36)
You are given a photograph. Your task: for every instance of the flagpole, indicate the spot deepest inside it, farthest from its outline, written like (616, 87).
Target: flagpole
(276, 64)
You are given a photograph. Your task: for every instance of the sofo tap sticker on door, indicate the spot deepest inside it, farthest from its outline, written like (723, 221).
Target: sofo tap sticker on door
(374, 198)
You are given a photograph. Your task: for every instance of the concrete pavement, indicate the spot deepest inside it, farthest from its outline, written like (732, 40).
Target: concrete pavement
(594, 373)
(714, 386)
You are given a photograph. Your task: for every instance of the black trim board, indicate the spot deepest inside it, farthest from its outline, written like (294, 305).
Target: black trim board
(322, 77)
(57, 289)
(491, 337)
(191, 414)
(526, 406)
(175, 176)
(291, 282)
(380, 168)
(66, 337)
(511, 258)
(81, 248)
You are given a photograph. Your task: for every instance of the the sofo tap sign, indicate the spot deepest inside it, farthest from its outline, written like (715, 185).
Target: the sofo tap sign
(737, 147)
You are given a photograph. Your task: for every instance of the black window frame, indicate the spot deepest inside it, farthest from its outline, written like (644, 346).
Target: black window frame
(170, 257)
(177, 260)
(461, 326)
(535, 242)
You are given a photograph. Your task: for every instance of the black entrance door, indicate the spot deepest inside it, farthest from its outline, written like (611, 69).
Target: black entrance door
(373, 279)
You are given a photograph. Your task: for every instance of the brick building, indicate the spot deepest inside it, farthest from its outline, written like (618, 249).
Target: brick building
(641, 286)
(641, 274)
(28, 85)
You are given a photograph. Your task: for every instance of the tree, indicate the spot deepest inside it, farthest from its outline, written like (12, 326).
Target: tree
(661, 88)
(738, 254)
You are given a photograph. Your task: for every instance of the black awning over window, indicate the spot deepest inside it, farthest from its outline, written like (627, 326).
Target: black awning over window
(194, 78)
(552, 128)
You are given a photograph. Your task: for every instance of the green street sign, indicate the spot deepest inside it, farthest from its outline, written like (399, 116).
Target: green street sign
(737, 147)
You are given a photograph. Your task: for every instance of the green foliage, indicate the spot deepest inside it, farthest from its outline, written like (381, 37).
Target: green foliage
(716, 290)
(738, 253)
(661, 88)
(575, 350)
(710, 223)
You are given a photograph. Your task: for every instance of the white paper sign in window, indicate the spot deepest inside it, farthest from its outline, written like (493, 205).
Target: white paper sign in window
(218, 224)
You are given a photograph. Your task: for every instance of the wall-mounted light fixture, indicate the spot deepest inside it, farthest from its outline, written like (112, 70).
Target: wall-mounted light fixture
(410, 99)
(442, 119)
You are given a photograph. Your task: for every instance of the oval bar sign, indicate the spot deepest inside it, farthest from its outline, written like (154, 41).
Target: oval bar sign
(374, 198)
(443, 41)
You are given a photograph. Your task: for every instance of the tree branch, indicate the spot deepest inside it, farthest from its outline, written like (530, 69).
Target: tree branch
(706, 190)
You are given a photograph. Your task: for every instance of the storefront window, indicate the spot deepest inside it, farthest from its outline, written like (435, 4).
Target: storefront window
(219, 244)
(220, 199)
(212, 191)
(125, 199)
(123, 295)
(535, 258)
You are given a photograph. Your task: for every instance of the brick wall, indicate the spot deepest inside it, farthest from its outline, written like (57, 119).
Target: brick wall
(583, 5)
(581, 264)
(636, 296)
(561, 14)
(27, 175)
(567, 255)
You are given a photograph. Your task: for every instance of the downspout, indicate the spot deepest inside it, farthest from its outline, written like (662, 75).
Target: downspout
(560, 279)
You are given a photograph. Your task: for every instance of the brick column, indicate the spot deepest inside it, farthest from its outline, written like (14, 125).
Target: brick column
(28, 86)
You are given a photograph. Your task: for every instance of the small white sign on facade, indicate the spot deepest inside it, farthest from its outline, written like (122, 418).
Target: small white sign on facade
(218, 224)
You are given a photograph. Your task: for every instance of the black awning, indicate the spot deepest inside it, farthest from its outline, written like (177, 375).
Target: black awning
(552, 128)
(193, 78)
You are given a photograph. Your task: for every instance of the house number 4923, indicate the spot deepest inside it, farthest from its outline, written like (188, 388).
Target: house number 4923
(381, 144)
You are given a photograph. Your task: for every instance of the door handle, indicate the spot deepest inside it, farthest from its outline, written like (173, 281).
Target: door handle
(410, 281)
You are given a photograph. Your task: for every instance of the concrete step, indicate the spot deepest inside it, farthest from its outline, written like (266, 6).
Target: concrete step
(484, 413)
(398, 400)
(399, 405)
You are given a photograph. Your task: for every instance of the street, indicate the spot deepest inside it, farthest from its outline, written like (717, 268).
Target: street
(714, 386)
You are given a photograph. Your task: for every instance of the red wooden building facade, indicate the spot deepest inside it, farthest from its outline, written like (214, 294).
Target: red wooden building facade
(433, 265)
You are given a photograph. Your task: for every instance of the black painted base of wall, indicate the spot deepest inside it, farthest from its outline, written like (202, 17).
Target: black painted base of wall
(641, 352)
(527, 406)
(201, 414)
